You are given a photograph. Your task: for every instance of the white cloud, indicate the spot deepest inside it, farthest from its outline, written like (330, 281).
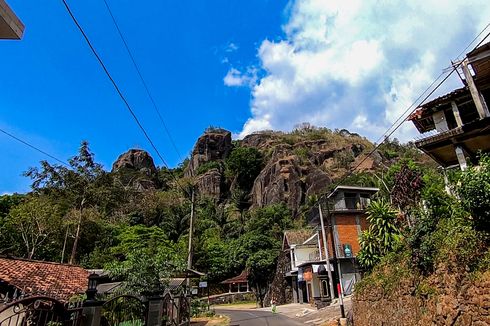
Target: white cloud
(355, 64)
(235, 78)
(231, 47)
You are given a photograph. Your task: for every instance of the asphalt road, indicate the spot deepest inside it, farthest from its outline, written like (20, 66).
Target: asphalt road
(256, 318)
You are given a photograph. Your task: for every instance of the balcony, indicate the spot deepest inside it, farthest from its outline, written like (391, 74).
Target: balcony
(351, 203)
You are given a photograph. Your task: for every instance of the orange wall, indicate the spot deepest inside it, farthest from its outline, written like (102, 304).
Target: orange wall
(347, 231)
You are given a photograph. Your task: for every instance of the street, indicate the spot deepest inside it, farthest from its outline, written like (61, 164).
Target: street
(254, 317)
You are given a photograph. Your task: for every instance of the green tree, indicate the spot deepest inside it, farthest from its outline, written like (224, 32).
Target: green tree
(383, 236)
(244, 164)
(149, 269)
(36, 219)
(83, 184)
(474, 191)
(9, 236)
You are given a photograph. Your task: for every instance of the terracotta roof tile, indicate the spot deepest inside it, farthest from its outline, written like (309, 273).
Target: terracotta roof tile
(61, 280)
(242, 278)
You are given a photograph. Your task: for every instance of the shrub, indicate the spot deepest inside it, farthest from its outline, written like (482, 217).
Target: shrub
(474, 191)
(245, 164)
(383, 236)
(205, 167)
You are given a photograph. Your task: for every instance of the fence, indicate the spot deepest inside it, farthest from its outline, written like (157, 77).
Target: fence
(41, 311)
(167, 309)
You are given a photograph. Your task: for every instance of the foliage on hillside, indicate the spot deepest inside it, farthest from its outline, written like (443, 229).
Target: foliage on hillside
(93, 217)
(444, 233)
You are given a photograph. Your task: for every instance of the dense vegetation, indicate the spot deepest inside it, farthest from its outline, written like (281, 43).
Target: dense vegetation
(83, 214)
(434, 230)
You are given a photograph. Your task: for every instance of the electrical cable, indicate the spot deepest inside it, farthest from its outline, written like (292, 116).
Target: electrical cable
(145, 85)
(119, 92)
(34, 147)
(397, 124)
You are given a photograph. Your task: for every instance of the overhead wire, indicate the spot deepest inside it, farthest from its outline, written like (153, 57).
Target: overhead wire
(34, 147)
(118, 90)
(397, 124)
(145, 85)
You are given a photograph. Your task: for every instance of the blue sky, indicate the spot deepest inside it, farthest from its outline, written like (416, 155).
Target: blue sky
(54, 94)
(242, 65)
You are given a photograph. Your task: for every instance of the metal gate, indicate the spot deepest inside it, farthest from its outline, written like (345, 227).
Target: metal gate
(124, 310)
(41, 311)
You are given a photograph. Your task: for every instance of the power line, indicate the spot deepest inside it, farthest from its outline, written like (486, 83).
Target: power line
(34, 147)
(116, 87)
(397, 124)
(145, 85)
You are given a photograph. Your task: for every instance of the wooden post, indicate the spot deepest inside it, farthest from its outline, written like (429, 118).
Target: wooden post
(481, 107)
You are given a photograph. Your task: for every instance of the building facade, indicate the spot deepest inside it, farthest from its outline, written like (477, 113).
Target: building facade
(455, 126)
(344, 218)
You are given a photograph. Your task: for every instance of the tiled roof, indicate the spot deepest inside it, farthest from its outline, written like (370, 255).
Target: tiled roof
(242, 278)
(296, 237)
(53, 279)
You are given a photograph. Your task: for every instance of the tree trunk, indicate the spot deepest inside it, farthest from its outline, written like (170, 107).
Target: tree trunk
(77, 237)
(64, 245)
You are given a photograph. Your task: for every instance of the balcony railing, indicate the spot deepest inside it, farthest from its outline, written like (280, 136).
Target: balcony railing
(351, 203)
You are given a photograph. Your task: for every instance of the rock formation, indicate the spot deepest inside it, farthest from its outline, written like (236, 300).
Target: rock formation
(296, 165)
(213, 145)
(136, 168)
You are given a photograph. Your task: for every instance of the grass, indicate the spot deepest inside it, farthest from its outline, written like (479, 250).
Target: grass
(211, 321)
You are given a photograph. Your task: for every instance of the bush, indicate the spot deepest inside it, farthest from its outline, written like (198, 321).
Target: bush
(474, 191)
(383, 236)
(199, 308)
(245, 164)
(205, 167)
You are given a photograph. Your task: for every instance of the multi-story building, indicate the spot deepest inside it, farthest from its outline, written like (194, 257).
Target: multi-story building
(455, 126)
(344, 216)
(10, 26)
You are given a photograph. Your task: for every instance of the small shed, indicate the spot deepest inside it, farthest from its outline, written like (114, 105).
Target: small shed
(238, 282)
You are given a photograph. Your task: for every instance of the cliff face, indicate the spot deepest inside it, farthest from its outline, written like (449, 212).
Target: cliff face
(212, 146)
(295, 165)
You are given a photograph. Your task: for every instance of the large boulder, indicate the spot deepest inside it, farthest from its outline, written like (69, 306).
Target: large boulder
(136, 168)
(279, 182)
(135, 159)
(213, 145)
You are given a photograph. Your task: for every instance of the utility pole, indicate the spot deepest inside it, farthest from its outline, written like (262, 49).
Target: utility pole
(191, 229)
(325, 247)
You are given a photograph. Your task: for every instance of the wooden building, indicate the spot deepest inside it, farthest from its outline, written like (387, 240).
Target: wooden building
(10, 25)
(456, 126)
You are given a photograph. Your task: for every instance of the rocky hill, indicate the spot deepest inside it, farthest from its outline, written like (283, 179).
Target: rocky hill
(295, 165)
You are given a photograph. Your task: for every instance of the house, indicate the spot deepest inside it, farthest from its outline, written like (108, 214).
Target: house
(455, 126)
(304, 251)
(25, 277)
(239, 282)
(344, 218)
(10, 26)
